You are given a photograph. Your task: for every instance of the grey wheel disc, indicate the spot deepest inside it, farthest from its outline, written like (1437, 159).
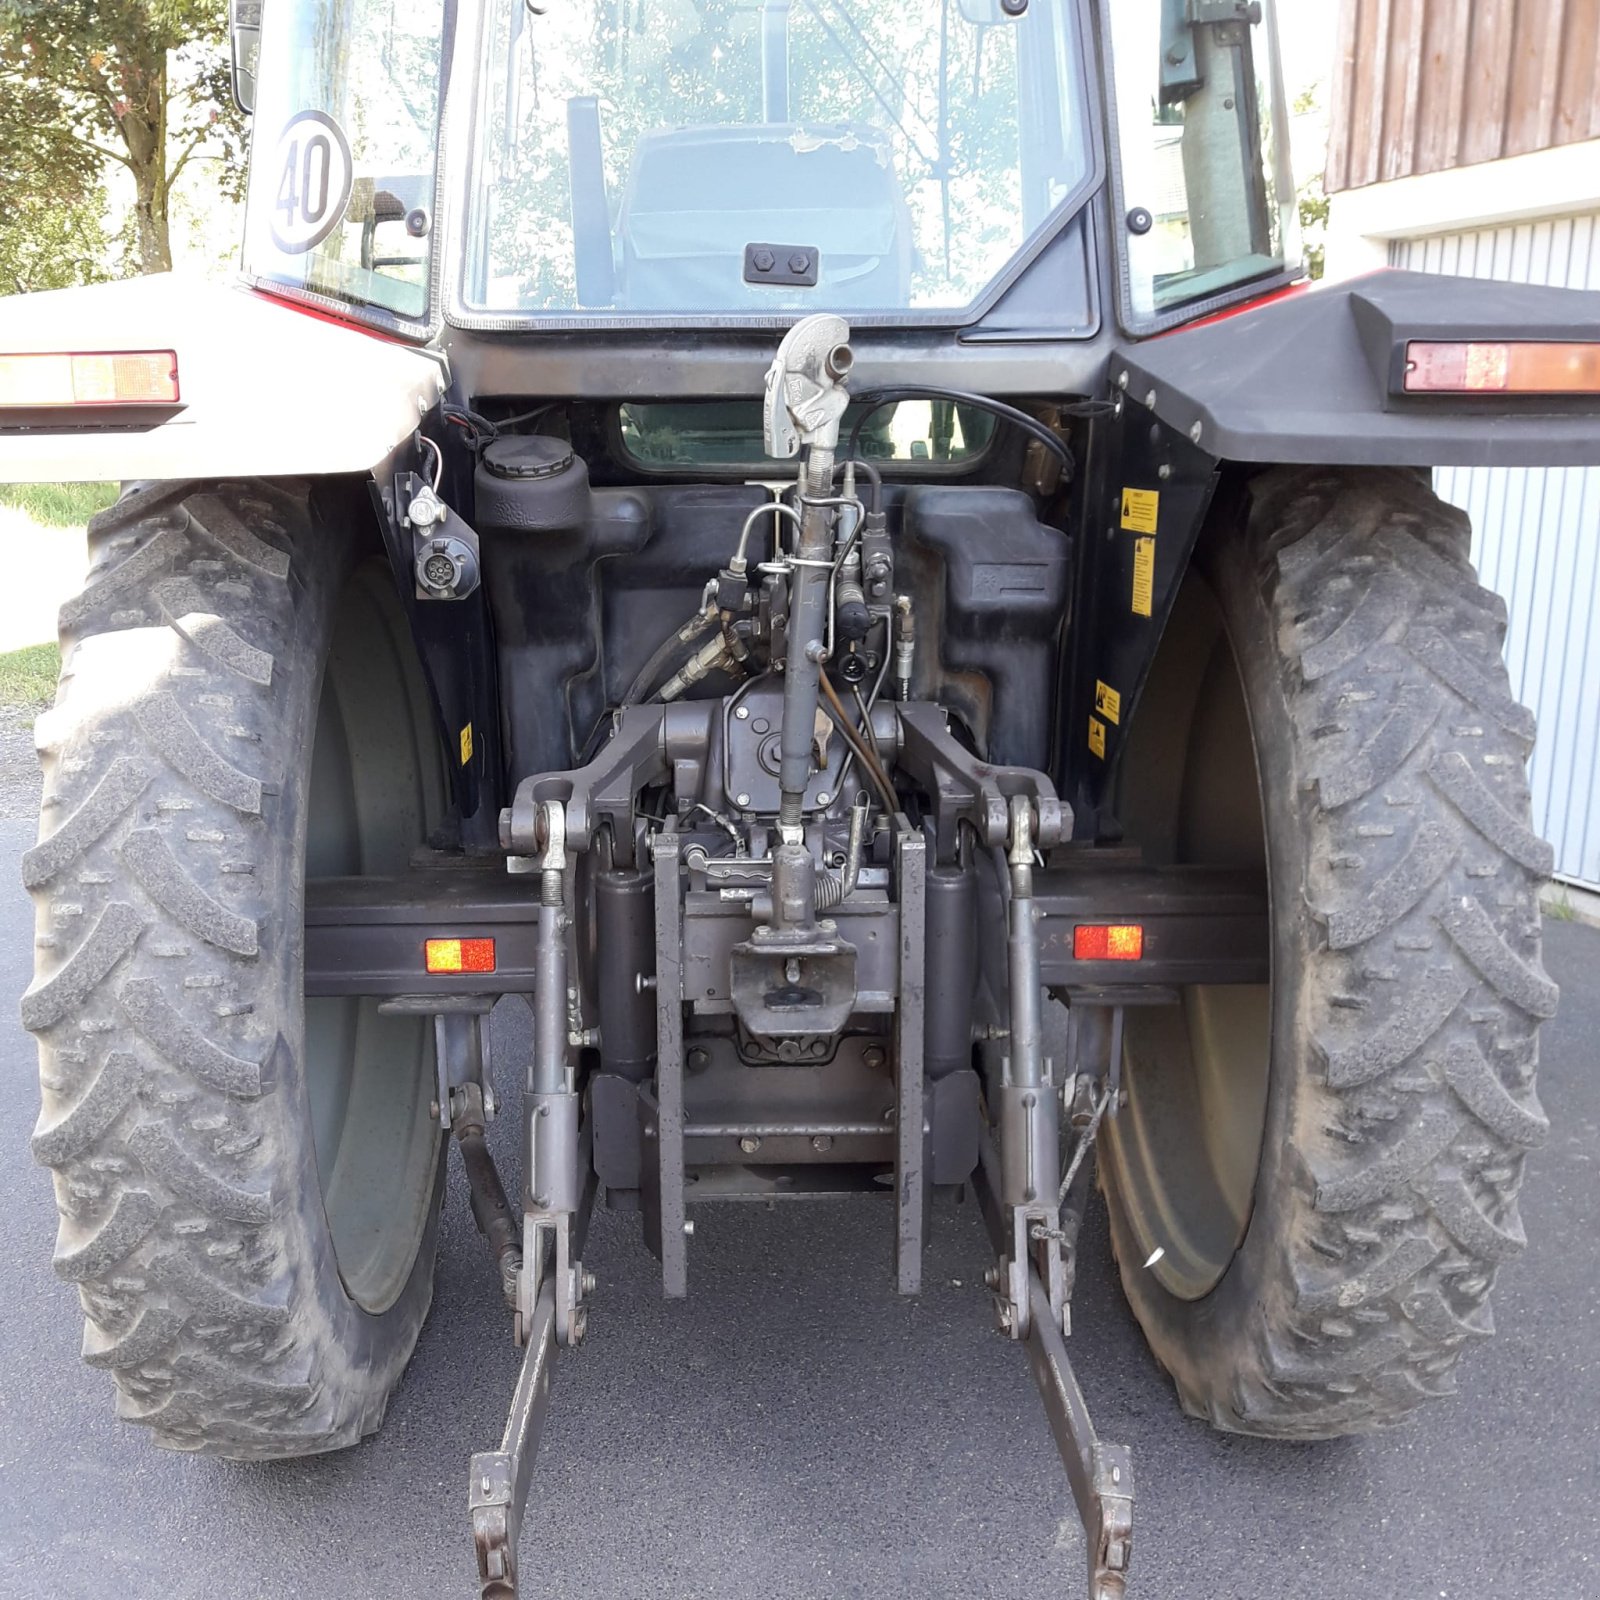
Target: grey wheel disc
(370, 1077)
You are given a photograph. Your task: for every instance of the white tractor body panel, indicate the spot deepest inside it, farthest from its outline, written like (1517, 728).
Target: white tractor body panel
(266, 389)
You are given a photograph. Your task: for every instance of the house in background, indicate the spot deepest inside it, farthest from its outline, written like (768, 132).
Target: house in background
(1465, 138)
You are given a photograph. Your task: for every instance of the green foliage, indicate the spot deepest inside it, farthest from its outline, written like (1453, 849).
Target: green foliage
(1559, 908)
(59, 505)
(28, 677)
(1313, 204)
(139, 82)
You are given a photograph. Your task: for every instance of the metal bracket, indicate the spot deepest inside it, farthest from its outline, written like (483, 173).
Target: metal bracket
(666, 1226)
(501, 1478)
(647, 744)
(805, 395)
(968, 789)
(1100, 1474)
(913, 1191)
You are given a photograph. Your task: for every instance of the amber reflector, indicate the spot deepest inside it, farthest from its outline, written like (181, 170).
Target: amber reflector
(459, 955)
(1511, 368)
(1113, 941)
(114, 378)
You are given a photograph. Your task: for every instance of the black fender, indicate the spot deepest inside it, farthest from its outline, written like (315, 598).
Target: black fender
(1317, 377)
(1308, 378)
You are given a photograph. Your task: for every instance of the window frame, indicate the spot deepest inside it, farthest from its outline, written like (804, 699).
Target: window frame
(468, 127)
(1131, 321)
(422, 329)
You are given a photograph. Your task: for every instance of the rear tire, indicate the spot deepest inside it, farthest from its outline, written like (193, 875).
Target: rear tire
(248, 1205)
(1390, 1081)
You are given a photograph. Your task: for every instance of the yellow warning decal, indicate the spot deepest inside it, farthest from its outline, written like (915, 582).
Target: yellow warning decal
(1097, 737)
(1144, 576)
(466, 744)
(1140, 509)
(1107, 701)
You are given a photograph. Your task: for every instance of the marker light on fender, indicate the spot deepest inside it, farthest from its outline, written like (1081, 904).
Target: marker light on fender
(102, 378)
(1520, 367)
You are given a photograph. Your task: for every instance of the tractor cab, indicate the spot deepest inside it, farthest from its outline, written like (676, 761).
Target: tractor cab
(735, 164)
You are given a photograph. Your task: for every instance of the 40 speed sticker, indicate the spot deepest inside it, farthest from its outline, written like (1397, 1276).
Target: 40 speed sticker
(313, 178)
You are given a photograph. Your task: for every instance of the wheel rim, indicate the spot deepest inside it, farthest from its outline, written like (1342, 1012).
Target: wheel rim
(1182, 1155)
(370, 1078)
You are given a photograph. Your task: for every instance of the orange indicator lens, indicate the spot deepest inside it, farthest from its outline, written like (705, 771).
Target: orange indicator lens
(459, 955)
(1115, 941)
(1510, 368)
(114, 378)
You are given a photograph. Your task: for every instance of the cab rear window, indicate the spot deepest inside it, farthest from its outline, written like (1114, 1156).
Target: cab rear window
(663, 436)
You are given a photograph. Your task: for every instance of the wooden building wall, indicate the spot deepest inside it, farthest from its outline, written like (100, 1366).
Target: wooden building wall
(1426, 85)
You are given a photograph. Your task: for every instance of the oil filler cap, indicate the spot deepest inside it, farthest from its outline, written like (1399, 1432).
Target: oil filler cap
(528, 457)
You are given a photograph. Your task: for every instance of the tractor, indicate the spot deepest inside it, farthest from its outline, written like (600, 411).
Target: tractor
(829, 551)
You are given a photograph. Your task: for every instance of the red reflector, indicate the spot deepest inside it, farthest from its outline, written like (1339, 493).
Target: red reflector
(459, 955)
(1108, 941)
(110, 378)
(1520, 367)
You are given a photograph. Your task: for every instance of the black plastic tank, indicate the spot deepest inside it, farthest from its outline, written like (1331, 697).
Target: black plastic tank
(529, 483)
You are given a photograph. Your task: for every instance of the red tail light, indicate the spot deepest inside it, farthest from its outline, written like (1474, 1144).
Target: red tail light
(1108, 941)
(459, 955)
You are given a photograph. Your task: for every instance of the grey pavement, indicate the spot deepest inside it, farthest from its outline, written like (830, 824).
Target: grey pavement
(796, 1430)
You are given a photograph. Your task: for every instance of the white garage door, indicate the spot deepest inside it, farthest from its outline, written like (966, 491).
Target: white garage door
(1536, 539)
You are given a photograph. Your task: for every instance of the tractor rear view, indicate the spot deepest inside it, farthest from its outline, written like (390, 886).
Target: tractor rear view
(687, 522)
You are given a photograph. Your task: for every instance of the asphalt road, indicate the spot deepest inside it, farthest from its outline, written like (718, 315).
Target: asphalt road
(796, 1430)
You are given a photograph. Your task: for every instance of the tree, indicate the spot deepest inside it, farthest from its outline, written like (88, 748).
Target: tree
(143, 83)
(51, 232)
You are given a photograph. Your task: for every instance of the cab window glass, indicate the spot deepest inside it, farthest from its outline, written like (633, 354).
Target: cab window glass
(696, 434)
(1208, 200)
(342, 160)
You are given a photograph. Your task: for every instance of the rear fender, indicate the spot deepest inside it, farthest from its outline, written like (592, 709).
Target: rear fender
(1311, 378)
(265, 389)
(1306, 379)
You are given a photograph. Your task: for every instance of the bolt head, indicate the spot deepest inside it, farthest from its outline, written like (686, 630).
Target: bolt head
(763, 260)
(741, 799)
(749, 1145)
(824, 798)
(743, 713)
(799, 263)
(822, 1141)
(688, 1230)
(873, 1055)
